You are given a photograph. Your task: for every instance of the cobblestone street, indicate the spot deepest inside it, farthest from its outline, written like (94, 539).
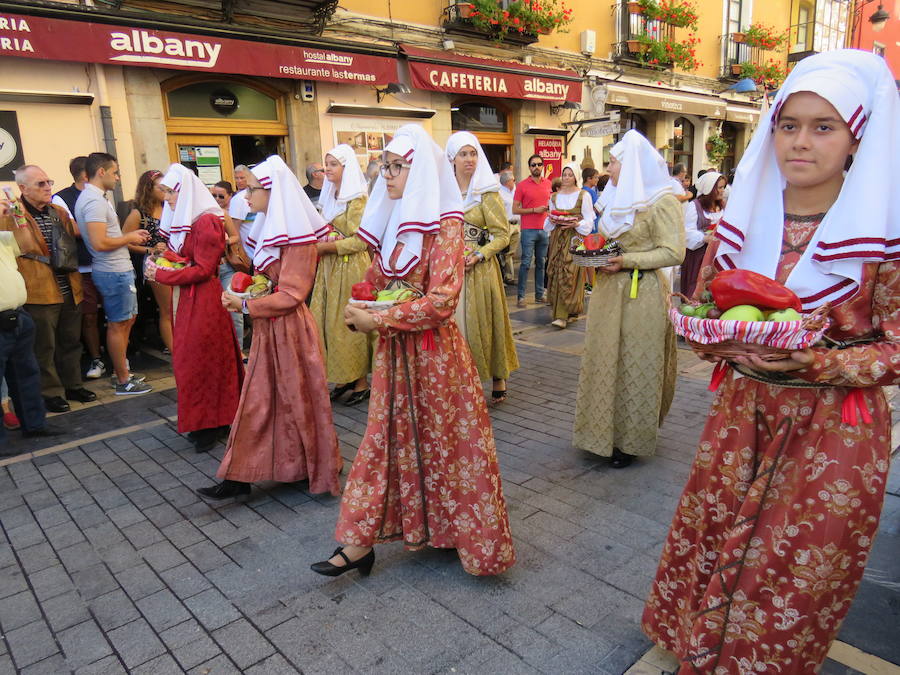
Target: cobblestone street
(111, 563)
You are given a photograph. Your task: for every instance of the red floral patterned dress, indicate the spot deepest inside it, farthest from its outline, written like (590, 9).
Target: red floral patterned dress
(772, 533)
(426, 471)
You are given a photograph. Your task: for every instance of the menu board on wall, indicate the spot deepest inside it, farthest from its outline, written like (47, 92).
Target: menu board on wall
(368, 136)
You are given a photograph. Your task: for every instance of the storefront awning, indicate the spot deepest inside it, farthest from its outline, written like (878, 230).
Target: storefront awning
(454, 73)
(742, 114)
(650, 98)
(54, 39)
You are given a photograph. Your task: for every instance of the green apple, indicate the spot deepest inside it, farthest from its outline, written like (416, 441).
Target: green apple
(687, 310)
(743, 313)
(789, 314)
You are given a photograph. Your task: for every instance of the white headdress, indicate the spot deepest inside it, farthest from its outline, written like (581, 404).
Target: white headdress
(431, 194)
(483, 180)
(290, 219)
(643, 179)
(863, 225)
(194, 199)
(353, 184)
(707, 182)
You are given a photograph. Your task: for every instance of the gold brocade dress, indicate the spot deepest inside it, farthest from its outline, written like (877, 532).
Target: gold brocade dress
(482, 314)
(628, 369)
(565, 279)
(348, 355)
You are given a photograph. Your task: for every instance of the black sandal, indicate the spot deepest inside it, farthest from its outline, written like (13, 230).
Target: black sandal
(340, 390)
(357, 397)
(498, 397)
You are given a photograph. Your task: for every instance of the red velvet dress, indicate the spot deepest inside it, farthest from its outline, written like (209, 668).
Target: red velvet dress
(205, 354)
(426, 472)
(283, 430)
(770, 539)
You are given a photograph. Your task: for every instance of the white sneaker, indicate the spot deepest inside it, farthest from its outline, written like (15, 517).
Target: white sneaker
(97, 370)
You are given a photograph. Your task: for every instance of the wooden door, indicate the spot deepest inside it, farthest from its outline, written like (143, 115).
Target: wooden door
(207, 156)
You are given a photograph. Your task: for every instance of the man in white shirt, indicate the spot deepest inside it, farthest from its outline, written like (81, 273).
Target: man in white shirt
(507, 191)
(239, 208)
(693, 237)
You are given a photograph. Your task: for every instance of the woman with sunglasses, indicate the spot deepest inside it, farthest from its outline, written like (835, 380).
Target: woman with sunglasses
(149, 201)
(426, 472)
(482, 314)
(343, 261)
(283, 430)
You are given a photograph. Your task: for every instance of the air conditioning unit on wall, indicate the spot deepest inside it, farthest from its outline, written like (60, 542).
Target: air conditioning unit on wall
(588, 42)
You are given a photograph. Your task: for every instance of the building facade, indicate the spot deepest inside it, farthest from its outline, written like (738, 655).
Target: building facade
(214, 84)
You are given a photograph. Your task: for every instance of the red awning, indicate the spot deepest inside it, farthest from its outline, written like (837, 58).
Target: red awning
(36, 37)
(439, 71)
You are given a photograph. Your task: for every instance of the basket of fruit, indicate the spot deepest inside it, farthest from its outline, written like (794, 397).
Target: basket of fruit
(368, 296)
(747, 313)
(244, 286)
(171, 260)
(595, 251)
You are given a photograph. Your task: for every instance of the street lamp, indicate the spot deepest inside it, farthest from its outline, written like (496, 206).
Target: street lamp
(878, 19)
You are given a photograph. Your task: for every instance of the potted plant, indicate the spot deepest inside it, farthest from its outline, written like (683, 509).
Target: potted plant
(666, 52)
(527, 17)
(716, 149)
(737, 69)
(634, 8)
(769, 74)
(679, 13)
(739, 38)
(764, 37)
(464, 10)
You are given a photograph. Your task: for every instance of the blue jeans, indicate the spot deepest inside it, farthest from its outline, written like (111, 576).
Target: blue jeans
(23, 376)
(534, 243)
(226, 271)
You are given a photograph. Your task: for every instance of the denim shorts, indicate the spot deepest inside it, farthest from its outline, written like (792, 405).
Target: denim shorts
(119, 294)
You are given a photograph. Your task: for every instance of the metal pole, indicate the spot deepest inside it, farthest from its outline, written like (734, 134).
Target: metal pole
(106, 123)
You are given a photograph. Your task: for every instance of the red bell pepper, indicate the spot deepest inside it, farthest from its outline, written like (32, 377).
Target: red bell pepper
(363, 291)
(743, 287)
(171, 256)
(594, 242)
(240, 282)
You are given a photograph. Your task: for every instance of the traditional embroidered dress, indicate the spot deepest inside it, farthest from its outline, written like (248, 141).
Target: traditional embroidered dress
(565, 279)
(482, 313)
(206, 359)
(283, 429)
(347, 354)
(628, 370)
(772, 533)
(426, 472)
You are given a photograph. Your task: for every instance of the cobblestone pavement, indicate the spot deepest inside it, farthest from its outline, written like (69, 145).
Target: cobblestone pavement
(110, 563)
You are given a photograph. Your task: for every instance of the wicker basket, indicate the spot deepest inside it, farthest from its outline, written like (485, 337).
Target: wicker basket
(769, 340)
(596, 259)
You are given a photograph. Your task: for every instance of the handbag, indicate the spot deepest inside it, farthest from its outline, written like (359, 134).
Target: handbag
(63, 258)
(237, 257)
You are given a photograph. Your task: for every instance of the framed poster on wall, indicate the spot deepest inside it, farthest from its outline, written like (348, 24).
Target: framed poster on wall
(11, 154)
(368, 136)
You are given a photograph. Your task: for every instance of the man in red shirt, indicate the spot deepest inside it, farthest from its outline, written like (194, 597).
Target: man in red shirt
(531, 202)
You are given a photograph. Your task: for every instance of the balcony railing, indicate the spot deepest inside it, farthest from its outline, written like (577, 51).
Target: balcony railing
(631, 27)
(457, 21)
(734, 53)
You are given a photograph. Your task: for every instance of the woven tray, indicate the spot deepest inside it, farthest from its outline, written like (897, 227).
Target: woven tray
(770, 340)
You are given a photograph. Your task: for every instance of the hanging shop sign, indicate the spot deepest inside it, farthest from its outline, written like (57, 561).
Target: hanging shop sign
(63, 40)
(551, 151)
(458, 74)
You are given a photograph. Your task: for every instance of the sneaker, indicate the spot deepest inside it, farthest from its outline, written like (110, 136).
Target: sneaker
(136, 377)
(521, 303)
(97, 370)
(132, 387)
(10, 421)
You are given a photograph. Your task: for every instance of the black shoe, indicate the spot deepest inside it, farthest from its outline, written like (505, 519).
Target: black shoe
(46, 432)
(56, 404)
(340, 390)
(620, 459)
(364, 564)
(225, 490)
(204, 440)
(357, 397)
(81, 395)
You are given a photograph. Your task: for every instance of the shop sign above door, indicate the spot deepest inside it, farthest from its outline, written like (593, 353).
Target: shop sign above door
(62, 40)
(482, 77)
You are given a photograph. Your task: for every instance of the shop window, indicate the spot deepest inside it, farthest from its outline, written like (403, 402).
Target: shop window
(630, 121)
(478, 117)
(729, 133)
(221, 100)
(683, 144)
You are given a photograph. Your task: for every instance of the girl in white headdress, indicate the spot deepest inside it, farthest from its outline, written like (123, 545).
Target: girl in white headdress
(283, 430)
(771, 535)
(628, 371)
(343, 261)
(709, 206)
(482, 314)
(206, 358)
(426, 472)
(565, 280)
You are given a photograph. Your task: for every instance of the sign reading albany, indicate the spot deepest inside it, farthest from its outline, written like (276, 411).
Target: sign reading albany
(62, 40)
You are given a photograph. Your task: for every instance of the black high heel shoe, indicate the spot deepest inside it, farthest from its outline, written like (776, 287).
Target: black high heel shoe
(364, 564)
(224, 490)
(357, 397)
(340, 390)
(620, 459)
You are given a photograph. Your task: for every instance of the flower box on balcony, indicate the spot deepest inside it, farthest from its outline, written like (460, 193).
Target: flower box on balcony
(635, 8)
(464, 10)
(736, 69)
(739, 38)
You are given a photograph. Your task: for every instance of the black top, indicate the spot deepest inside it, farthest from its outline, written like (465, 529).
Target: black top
(312, 193)
(70, 195)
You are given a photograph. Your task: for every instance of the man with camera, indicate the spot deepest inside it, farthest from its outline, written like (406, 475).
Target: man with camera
(54, 290)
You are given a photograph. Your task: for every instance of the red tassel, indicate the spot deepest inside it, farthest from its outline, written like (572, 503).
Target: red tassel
(428, 340)
(853, 401)
(718, 374)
